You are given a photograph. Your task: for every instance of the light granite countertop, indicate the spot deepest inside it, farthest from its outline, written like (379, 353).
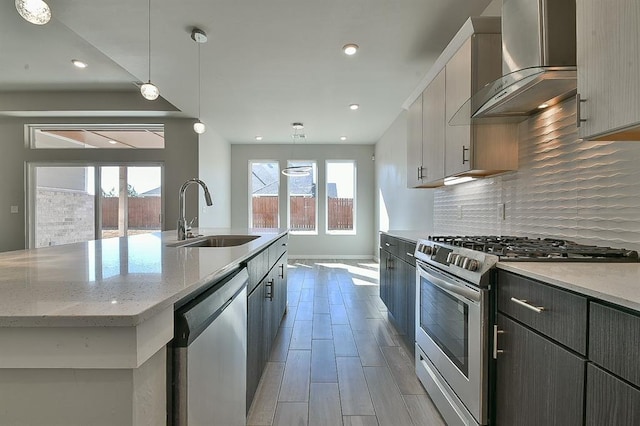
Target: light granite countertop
(409, 235)
(112, 282)
(617, 283)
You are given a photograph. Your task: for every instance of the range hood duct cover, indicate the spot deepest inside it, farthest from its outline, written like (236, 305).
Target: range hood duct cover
(538, 60)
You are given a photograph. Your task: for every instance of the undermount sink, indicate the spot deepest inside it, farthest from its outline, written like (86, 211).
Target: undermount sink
(215, 241)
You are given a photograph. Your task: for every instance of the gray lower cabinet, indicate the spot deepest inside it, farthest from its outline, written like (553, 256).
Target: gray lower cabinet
(266, 305)
(398, 283)
(538, 382)
(544, 373)
(613, 379)
(541, 343)
(255, 357)
(610, 401)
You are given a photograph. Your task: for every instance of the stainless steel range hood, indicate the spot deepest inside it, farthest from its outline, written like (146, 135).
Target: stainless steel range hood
(538, 63)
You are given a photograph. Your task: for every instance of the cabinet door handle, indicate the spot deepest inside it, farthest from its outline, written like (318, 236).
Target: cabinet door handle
(281, 274)
(536, 309)
(464, 154)
(269, 289)
(420, 174)
(496, 351)
(579, 119)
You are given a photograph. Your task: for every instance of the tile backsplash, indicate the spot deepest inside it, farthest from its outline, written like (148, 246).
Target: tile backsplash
(588, 192)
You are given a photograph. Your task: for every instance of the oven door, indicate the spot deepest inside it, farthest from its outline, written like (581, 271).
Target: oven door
(451, 330)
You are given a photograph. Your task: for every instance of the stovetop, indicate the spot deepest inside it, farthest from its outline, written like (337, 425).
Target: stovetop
(509, 248)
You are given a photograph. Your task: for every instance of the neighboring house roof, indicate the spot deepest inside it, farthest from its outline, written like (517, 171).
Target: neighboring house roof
(332, 190)
(265, 179)
(155, 192)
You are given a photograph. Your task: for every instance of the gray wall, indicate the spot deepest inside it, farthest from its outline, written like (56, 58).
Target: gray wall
(311, 246)
(399, 207)
(180, 159)
(215, 171)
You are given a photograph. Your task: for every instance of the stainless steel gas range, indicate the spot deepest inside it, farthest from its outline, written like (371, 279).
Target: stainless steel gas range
(455, 278)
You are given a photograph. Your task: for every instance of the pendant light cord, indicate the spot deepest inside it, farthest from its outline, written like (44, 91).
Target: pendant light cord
(149, 28)
(199, 83)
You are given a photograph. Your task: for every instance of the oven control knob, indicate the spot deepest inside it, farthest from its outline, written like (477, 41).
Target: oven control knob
(472, 265)
(428, 250)
(451, 258)
(460, 261)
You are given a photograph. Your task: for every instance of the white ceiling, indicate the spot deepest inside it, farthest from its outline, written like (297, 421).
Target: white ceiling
(267, 63)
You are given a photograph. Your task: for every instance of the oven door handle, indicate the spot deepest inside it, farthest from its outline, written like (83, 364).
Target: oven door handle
(457, 290)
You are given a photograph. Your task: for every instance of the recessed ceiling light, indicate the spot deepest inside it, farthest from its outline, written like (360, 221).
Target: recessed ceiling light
(258, 138)
(350, 49)
(343, 138)
(79, 64)
(113, 142)
(354, 107)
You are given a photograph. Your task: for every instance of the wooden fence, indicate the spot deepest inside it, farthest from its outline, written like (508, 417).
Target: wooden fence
(303, 213)
(144, 212)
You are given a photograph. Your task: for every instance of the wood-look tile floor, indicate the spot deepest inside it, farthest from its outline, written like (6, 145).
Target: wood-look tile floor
(337, 360)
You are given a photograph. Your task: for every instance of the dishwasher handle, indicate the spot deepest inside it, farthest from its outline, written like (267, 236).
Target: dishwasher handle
(193, 318)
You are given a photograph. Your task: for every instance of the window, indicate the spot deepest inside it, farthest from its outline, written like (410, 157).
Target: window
(341, 185)
(264, 186)
(52, 136)
(131, 201)
(303, 200)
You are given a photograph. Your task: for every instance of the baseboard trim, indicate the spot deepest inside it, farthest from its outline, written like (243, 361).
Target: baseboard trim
(331, 257)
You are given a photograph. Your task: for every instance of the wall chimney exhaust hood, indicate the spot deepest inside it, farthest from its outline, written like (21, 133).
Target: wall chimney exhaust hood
(538, 63)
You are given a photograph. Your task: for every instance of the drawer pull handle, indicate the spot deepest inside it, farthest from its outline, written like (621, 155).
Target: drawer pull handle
(536, 309)
(409, 254)
(387, 244)
(496, 351)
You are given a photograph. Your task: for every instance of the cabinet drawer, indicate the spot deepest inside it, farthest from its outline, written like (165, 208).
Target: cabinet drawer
(390, 244)
(613, 341)
(563, 316)
(258, 267)
(610, 401)
(405, 252)
(277, 249)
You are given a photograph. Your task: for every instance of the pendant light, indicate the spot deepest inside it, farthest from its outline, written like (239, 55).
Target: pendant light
(199, 37)
(34, 11)
(149, 90)
(297, 170)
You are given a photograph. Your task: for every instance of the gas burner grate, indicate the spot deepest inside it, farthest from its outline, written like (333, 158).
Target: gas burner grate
(538, 249)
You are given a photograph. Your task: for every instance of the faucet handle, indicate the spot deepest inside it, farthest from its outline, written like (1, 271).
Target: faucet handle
(188, 228)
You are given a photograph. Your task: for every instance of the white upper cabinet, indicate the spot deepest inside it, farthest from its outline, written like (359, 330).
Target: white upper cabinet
(425, 137)
(608, 54)
(477, 149)
(436, 149)
(433, 129)
(414, 144)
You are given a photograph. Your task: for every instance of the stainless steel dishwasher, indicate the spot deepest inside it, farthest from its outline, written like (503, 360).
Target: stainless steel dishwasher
(208, 356)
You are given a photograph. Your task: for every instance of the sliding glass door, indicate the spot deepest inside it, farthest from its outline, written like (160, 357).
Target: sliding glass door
(63, 207)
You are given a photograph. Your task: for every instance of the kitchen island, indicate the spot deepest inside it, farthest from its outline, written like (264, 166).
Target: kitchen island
(84, 326)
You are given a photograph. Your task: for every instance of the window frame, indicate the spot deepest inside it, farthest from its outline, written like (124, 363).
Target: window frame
(250, 193)
(31, 128)
(31, 181)
(355, 197)
(315, 172)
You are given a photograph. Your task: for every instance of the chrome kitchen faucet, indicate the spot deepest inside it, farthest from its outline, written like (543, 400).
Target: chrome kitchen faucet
(182, 222)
